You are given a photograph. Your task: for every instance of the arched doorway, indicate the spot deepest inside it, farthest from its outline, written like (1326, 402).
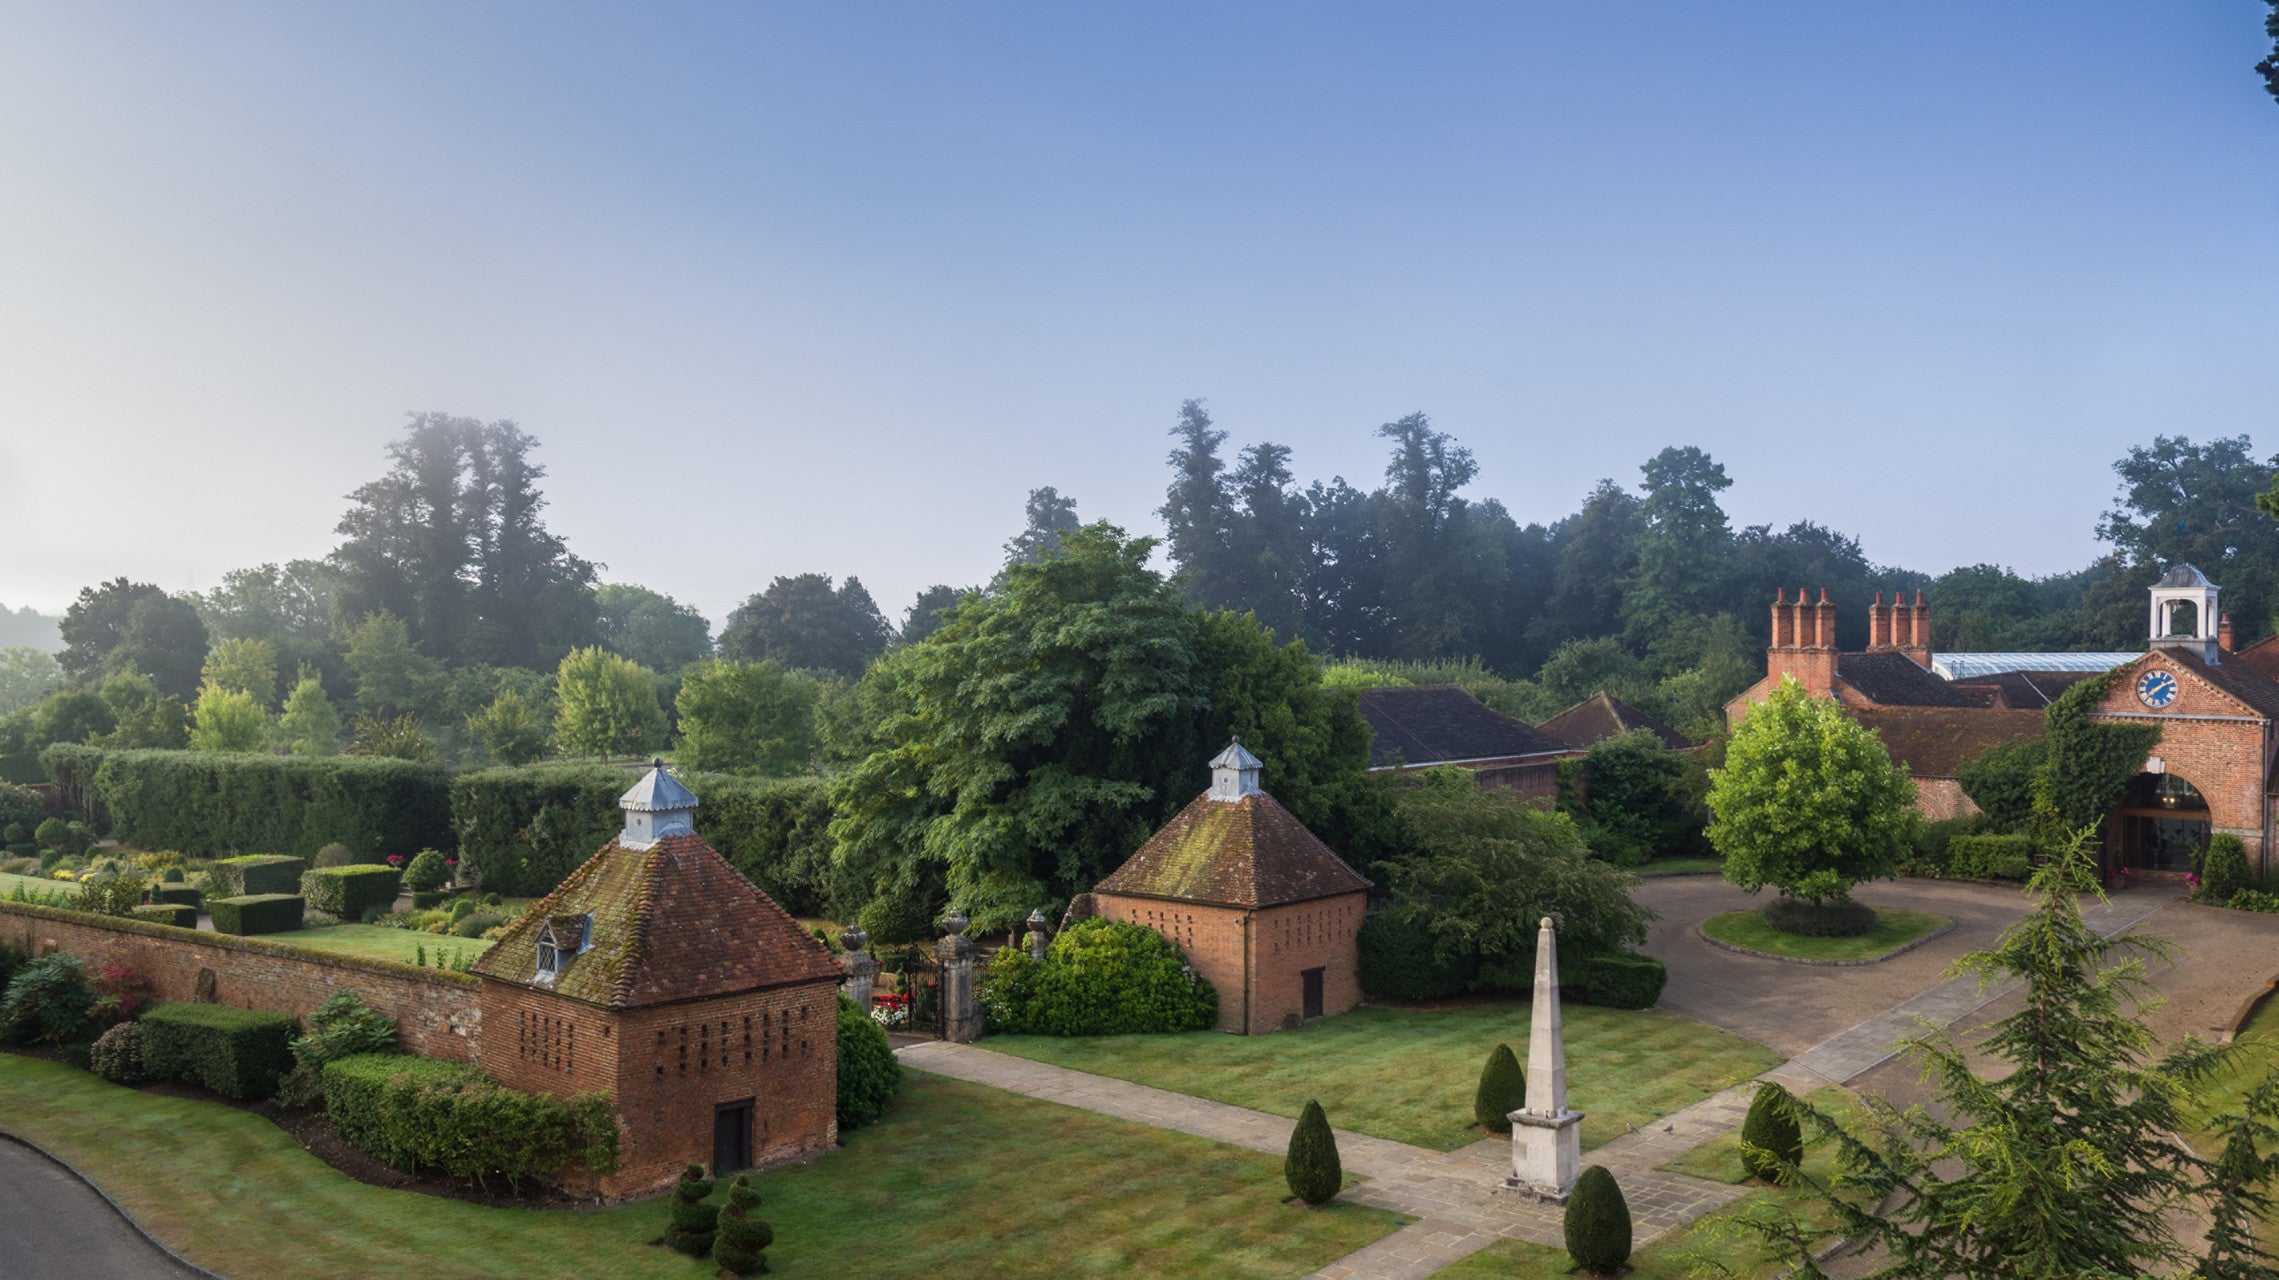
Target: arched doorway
(2164, 823)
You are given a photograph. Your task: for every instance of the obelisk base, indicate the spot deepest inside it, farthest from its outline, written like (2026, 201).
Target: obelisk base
(1546, 1153)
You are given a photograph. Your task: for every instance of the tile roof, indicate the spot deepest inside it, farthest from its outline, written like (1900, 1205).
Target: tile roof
(1891, 679)
(1602, 716)
(2019, 690)
(671, 922)
(2238, 679)
(1242, 853)
(1936, 742)
(1442, 724)
(2263, 655)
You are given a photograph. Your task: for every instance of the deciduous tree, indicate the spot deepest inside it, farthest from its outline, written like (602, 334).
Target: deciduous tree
(309, 724)
(1809, 801)
(746, 717)
(512, 728)
(227, 719)
(248, 666)
(606, 706)
(26, 676)
(650, 627)
(805, 623)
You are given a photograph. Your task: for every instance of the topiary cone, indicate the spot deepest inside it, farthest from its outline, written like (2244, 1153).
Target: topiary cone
(1597, 1223)
(1770, 1135)
(1312, 1168)
(694, 1222)
(743, 1238)
(1503, 1090)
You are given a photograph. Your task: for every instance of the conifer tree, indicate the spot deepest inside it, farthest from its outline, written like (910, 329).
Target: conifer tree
(1771, 1140)
(1312, 1168)
(1597, 1223)
(743, 1238)
(1503, 1090)
(694, 1222)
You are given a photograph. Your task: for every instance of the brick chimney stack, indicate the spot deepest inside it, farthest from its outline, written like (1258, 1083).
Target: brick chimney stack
(2224, 633)
(1917, 643)
(1804, 641)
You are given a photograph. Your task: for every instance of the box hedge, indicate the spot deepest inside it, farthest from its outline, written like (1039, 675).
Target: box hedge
(258, 913)
(238, 1053)
(1623, 981)
(256, 873)
(1990, 857)
(179, 895)
(348, 892)
(175, 914)
(415, 1113)
(211, 802)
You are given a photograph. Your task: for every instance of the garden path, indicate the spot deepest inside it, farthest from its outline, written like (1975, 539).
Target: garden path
(59, 1228)
(1458, 1197)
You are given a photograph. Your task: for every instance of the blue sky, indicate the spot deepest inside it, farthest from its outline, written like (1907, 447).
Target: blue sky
(830, 287)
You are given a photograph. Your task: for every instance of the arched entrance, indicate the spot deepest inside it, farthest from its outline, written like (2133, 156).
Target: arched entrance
(2164, 823)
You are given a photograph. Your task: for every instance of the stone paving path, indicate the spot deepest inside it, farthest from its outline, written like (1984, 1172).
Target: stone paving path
(1458, 1197)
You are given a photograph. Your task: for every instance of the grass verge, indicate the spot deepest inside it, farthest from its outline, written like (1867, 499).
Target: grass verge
(958, 1180)
(1894, 928)
(378, 942)
(1409, 1074)
(1678, 867)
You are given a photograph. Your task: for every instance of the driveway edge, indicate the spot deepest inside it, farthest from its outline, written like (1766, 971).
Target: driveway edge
(128, 1218)
(1893, 954)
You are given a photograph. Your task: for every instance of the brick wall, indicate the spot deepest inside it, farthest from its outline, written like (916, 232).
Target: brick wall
(2211, 741)
(1268, 949)
(777, 1047)
(1535, 781)
(437, 1013)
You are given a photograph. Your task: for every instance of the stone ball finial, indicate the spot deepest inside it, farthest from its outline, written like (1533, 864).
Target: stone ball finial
(854, 939)
(1546, 922)
(1037, 919)
(954, 923)
(656, 762)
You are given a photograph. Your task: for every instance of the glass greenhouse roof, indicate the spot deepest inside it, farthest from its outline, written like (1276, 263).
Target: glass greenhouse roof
(1966, 666)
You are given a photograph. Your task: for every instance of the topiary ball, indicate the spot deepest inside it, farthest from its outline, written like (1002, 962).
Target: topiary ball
(1503, 1090)
(1597, 1223)
(1312, 1168)
(1770, 1135)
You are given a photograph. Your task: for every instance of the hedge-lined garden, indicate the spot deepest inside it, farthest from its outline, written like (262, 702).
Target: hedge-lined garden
(215, 802)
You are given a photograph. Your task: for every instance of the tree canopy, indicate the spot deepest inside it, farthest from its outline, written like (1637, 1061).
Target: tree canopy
(805, 623)
(1808, 802)
(650, 627)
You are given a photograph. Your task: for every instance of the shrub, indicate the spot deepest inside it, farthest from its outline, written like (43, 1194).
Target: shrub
(257, 913)
(20, 809)
(179, 895)
(255, 873)
(475, 924)
(116, 1055)
(238, 1053)
(1990, 857)
(335, 855)
(896, 919)
(743, 1238)
(1771, 1140)
(55, 833)
(47, 1000)
(1597, 1223)
(172, 875)
(1099, 978)
(418, 1113)
(2224, 872)
(349, 892)
(181, 917)
(342, 1027)
(1400, 962)
(460, 910)
(694, 1223)
(16, 833)
(428, 901)
(112, 893)
(1623, 981)
(1503, 1090)
(1311, 1167)
(426, 873)
(1832, 918)
(869, 1072)
(1928, 853)
(213, 802)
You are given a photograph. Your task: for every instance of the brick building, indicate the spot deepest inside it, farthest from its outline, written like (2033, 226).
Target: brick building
(1415, 727)
(657, 974)
(1602, 716)
(1261, 908)
(2218, 712)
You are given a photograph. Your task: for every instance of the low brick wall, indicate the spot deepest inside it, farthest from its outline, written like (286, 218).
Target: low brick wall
(438, 1013)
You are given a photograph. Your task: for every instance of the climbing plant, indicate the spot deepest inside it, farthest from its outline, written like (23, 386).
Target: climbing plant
(2089, 761)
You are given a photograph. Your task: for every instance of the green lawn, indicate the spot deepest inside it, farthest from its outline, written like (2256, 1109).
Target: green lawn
(10, 882)
(1409, 1074)
(959, 1180)
(1894, 928)
(378, 942)
(1680, 867)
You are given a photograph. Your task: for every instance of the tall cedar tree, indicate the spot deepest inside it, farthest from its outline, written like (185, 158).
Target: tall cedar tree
(2063, 1158)
(1048, 516)
(1197, 514)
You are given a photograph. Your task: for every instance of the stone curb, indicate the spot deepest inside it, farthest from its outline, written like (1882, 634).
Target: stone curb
(1893, 954)
(128, 1218)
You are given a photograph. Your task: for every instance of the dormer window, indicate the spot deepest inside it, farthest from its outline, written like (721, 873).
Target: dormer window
(549, 957)
(561, 940)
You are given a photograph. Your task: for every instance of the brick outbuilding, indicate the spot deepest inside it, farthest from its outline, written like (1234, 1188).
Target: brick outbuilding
(658, 975)
(1261, 908)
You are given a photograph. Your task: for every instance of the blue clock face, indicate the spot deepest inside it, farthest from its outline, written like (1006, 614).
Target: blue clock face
(2156, 688)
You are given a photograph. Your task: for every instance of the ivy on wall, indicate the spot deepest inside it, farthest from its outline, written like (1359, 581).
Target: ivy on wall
(2089, 761)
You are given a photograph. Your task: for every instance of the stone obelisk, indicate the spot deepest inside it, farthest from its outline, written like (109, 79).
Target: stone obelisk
(1546, 1138)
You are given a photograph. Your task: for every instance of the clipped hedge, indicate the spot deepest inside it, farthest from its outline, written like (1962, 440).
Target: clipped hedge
(238, 1053)
(415, 1113)
(1624, 981)
(178, 895)
(348, 892)
(175, 914)
(209, 802)
(258, 913)
(256, 873)
(1990, 857)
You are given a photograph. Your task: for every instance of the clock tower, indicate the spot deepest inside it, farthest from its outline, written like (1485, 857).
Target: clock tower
(2184, 613)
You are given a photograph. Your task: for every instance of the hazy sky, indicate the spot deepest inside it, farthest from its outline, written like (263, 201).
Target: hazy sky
(831, 286)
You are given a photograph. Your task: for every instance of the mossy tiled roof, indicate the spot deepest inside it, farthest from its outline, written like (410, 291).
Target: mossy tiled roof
(1244, 853)
(671, 922)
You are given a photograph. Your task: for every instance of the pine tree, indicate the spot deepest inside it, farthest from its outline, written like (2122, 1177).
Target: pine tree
(1503, 1090)
(1597, 1223)
(1312, 1168)
(1771, 1139)
(743, 1238)
(694, 1222)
